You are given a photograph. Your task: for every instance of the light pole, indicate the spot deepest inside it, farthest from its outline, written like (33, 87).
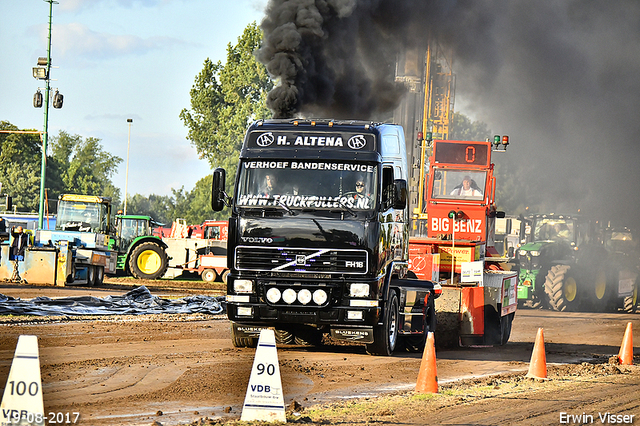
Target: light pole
(126, 178)
(42, 72)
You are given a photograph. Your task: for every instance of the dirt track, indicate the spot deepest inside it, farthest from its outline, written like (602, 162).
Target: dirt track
(174, 369)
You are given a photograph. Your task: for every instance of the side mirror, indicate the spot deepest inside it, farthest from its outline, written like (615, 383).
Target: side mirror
(399, 194)
(217, 189)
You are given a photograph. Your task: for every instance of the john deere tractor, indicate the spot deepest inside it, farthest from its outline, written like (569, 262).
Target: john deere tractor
(140, 253)
(548, 239)
(573, 263)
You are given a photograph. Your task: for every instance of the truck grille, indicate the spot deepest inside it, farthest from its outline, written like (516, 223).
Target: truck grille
(285, 259)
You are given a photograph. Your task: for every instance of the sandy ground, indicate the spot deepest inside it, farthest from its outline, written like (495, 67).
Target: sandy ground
(177, 369)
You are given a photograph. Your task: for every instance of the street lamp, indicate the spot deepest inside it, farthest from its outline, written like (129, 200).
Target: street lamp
(126, 178)
(42, 72)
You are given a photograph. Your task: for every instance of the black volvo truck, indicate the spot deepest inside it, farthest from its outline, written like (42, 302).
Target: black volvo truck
(319, 239)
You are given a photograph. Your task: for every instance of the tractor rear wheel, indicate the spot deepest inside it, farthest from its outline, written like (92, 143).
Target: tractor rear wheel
(148, 261)
(561, 288)
(631, 302)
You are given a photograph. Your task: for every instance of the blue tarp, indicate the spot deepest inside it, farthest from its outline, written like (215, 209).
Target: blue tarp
(138, 301)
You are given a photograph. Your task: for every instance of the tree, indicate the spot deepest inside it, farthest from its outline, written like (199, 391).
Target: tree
(20, 163)
(156, 206)
(83, 166)
(224, 100)
(463, 129)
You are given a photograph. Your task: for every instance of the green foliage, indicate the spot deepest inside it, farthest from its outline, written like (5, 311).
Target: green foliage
(20, 164)
(83, 166)
(463, 129)
(74, 165)
(224, 100)
(156, 206)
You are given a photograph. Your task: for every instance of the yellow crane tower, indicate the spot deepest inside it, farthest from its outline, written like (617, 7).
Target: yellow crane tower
(426, 113)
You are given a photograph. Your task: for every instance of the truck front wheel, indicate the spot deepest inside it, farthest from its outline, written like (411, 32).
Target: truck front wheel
(242, 342)
(148, 261)
(385, 336)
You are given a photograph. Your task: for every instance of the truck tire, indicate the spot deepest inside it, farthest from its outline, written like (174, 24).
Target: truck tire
(99, 275)
(505, 328)
(416, 343)
(242, 342)
(561, 288)
(224, 276)
(307, 336)
(148, 261)
(91, 275)
(385, 336)
(209, 275)
(284, 337)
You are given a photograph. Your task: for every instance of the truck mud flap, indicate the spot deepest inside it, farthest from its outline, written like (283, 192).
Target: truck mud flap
(360, 335)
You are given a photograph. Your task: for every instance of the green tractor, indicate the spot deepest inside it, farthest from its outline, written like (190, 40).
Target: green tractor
(542, 249)
(572, 263)
(140, 253)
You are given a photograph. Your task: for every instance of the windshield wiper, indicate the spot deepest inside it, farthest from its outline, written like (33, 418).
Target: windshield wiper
(284, 206)
(348, 209)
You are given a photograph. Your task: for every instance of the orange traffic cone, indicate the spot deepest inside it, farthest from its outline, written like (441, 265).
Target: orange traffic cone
(625, 356)
(538, 364)
(428, 376)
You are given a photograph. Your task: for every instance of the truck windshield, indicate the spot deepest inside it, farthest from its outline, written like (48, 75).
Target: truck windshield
(459, 184)
(307, 185)
(553, 230)
(81, 216)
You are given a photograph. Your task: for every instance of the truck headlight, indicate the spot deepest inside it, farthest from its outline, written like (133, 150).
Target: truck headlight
(289, 296)
(273, 295)
(304, 296)
(245, 311)
(243, 286)
(320, 297)
(535, 253)
(359, 290)
(522, 253)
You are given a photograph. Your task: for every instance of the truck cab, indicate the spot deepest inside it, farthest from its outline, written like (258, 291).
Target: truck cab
(318, 236)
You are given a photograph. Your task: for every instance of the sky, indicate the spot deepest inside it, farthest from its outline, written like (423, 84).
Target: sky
(119, 60)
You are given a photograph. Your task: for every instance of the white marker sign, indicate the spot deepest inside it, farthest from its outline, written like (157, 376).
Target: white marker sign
(22, 398)
(264, 400)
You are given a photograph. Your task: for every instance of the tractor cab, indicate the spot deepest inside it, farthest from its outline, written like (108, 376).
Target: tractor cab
(128, 228)
(84, 213)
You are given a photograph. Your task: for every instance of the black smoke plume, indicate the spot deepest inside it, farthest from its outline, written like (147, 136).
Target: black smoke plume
(561, 77)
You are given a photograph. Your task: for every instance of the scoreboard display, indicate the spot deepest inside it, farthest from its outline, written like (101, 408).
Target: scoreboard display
(464, 153)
